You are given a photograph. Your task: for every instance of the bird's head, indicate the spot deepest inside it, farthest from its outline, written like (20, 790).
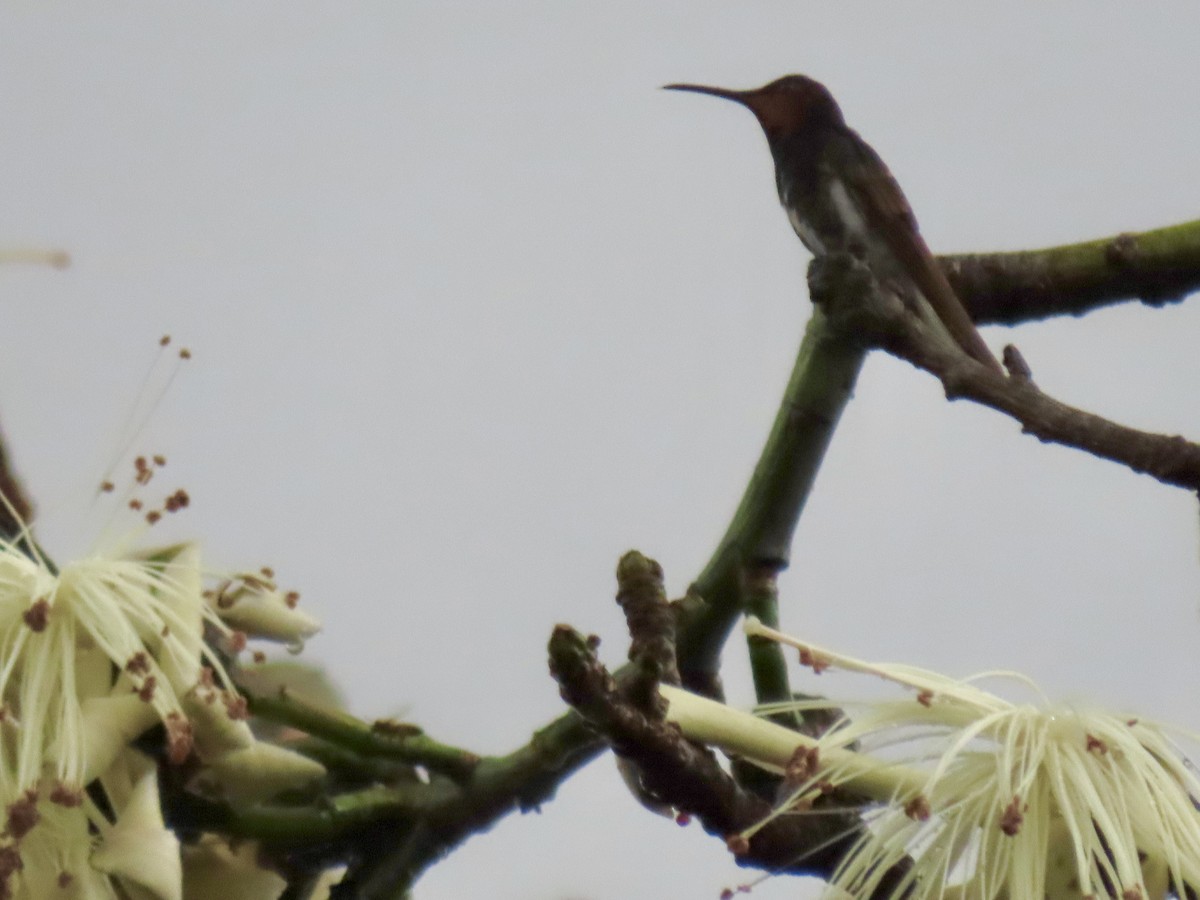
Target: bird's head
(785, 107)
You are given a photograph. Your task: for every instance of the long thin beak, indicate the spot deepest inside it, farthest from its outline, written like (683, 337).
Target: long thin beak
(735, 96)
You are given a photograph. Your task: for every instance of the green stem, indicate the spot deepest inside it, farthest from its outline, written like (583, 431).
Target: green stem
(332, 819)
(768, 666)
(522, 780)
(760, 534)
(369, 740)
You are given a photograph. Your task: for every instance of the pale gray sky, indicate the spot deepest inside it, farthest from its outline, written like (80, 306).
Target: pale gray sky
(475, 308)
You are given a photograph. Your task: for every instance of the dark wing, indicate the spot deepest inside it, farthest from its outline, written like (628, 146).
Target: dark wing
(888, 215)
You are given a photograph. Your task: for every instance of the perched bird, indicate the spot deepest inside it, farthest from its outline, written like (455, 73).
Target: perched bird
(841, 198)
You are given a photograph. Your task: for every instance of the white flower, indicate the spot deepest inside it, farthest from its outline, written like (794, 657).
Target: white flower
(215, 871)
(988, 798)
(258, 772)
(237, 765)
(61, 634)
(138, 848)
(94, 654)
(254, 605)
(51, 858)
(90, 657)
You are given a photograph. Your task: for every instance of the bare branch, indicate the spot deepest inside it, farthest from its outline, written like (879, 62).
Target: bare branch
(1154, 267)
(688, 776)
(853, 299)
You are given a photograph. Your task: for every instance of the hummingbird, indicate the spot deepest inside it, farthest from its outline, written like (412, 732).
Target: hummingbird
(841, 198)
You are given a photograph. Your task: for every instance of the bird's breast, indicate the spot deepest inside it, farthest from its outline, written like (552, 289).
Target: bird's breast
(853, 225)
(824, 214)
(807, 233)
